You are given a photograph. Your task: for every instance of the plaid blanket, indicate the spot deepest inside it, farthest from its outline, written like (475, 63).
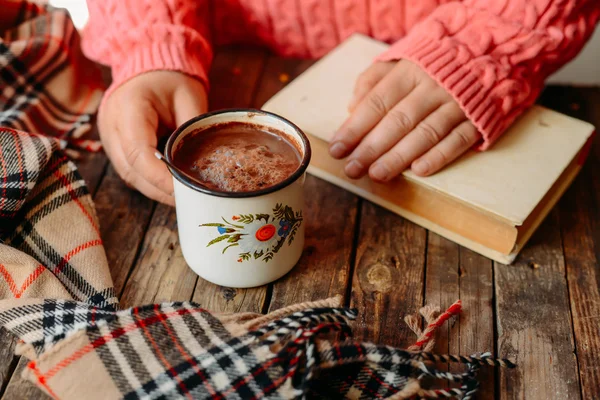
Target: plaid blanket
(57, 295)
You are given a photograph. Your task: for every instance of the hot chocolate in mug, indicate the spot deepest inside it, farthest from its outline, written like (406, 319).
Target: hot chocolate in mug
(241, 239)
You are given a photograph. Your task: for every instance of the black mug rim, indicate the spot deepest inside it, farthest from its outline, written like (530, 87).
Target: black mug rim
(237, 195)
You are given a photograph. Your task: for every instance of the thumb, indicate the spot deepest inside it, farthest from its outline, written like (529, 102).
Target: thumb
(189, 101)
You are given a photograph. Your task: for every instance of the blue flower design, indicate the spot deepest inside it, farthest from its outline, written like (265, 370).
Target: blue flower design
(284, 228)
(222, 230)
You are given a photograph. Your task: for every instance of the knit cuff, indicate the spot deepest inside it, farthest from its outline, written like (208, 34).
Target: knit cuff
(159, 57)
(445, 60)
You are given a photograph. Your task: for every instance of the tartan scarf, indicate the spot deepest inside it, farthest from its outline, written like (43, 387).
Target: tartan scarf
(57, 297)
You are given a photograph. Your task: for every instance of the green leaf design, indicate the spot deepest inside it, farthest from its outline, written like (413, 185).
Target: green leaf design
(263, 216)
(278, 211)
(231, 224)
(289, 213)
(278, 245)
(258, 255)
(234, 232)
(234, 238)
(293, 232)
(217, 240)
(246, 218)
(231, 245)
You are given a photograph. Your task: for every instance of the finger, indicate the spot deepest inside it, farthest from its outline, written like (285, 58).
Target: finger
(134, 180)
(131, 178)
(367, 80)
(423, 137)
(138, 140)
(189, 101)
(401, 120)
(461, 139)
(375, 105)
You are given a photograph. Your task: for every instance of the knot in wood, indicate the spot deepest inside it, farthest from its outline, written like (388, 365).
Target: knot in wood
(379, 277)
(229, 293)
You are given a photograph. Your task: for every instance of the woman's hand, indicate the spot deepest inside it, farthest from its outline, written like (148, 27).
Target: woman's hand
(133, 118)
(401, 118)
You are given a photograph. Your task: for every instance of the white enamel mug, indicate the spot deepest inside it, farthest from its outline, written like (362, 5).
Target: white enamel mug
(241, 239)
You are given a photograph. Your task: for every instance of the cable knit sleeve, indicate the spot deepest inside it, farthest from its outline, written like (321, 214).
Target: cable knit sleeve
(137, 36)
(493, 56)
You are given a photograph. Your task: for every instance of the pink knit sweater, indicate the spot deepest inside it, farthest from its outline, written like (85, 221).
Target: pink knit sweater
(491, 55)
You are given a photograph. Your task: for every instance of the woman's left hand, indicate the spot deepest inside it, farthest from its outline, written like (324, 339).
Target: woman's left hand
(401, 118)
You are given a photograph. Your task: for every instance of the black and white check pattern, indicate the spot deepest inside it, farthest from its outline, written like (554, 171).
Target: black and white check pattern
(177, 350)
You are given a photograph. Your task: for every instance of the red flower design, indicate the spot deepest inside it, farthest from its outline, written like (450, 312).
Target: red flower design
(266, 232)
(235, 218)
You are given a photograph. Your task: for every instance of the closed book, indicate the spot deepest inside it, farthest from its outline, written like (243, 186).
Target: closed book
(490, 202)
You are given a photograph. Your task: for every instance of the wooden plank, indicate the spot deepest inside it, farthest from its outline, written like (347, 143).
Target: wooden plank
(580, 224)
(124, 215)
(161, 273)
(324, 269)
(534, 321)
(9, 360)
(92, 166)
(20, 389)
(452, 273)
(442, 287)
(388, 278)
(476, 323)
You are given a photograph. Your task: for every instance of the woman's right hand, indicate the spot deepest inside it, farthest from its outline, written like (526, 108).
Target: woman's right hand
(130, 123)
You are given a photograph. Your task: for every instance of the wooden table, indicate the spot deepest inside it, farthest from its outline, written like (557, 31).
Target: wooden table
(543, 311)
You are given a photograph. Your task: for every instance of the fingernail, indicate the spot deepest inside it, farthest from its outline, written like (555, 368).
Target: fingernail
(379, 172)
(354, 169)
(420, 167)
(337, 149)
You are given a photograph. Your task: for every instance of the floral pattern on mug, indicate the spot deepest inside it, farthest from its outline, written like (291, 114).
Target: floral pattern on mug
(258, 236)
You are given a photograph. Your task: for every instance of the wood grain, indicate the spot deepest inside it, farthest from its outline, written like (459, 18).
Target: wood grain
(476, 322)
(388, 278)
(161, 273)
(92, 166)
(442, 287)
(124, 214)
(452, 273)
(20, 389)
(533, 321)
(7, 354)
(580, 225)
(324, 269)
